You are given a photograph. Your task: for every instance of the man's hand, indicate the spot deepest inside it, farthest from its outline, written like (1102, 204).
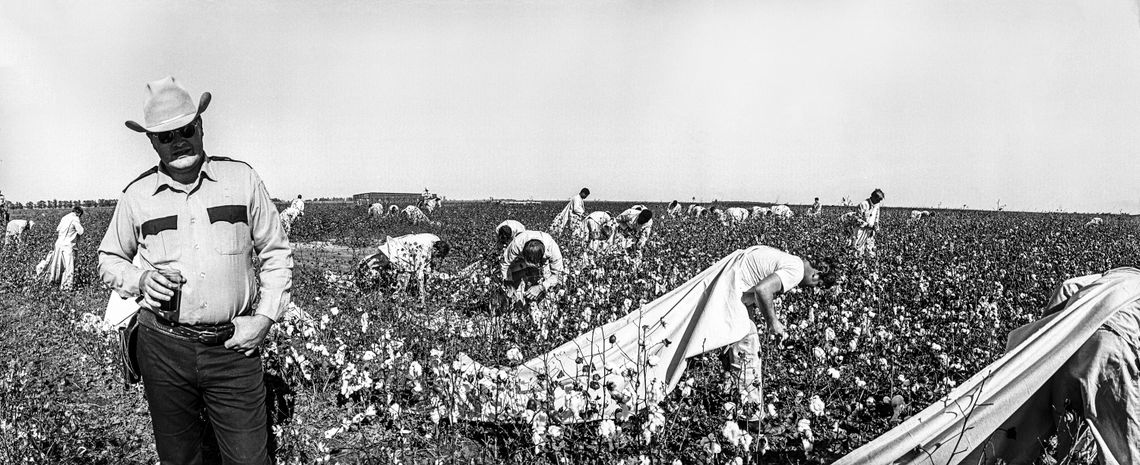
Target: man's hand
(534, 291)
(249, 332)
(778, 330)
(156, 289)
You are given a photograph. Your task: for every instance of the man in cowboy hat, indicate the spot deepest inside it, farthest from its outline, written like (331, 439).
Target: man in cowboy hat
(196, 222)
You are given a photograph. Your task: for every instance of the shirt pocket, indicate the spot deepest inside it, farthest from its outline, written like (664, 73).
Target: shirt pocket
(229, 229)
(160, 239)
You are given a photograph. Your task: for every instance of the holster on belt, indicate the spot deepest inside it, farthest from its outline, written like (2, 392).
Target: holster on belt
(128, 351)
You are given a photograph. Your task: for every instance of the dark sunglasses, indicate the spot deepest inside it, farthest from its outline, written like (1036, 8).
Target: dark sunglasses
(185, 132)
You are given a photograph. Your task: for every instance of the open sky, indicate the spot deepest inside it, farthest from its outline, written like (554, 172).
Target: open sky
(939, 102)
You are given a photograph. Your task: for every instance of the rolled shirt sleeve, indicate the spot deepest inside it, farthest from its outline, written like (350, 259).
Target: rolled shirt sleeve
(272, 246)
(115, 251)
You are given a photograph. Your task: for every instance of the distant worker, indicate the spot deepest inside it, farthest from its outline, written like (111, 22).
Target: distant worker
(4, 209)
(635, 225)
(14, 231)
(674, 209)
(735, 215)
(59, 264)
(1094, 221)
(416, 216)
(298, 204)
(863, 237)
(506, 231)
(376, 210)
(815, 209)
(918, 214)
(400, 259)
(572, 216)
(531, 267)
(698, 211)
(758, 212)
(782, 211)
(599, 229)
(393, 210)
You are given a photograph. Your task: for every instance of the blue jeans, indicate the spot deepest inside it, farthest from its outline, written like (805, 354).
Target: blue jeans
(183, 379)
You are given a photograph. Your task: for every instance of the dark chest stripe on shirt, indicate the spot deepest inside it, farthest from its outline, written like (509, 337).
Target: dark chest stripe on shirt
(232, 213)
(158, 225)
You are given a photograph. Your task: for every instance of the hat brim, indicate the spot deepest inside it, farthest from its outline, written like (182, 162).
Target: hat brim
(203, 103)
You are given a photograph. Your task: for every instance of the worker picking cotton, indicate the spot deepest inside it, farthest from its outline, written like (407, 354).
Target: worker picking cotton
(15, 229)
(599, 229)
(634, 227)
(674, 209)
(399, 260)
(506, 231)
(867, 224)
(59, 264)
(572, 216)
(767, 273)
(815, 208)
(376, 210)
(782, 211)
(416, 216)
(530, 268)
(735, 215)
(298, 204)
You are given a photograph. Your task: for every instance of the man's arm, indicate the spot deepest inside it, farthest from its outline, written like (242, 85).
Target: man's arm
(116, 251)
(765, 293)
(644, 236)
(78, 226)
(272, 246)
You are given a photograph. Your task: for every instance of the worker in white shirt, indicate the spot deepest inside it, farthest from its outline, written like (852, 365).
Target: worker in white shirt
(506, 231)
(376, 210)
(599, 229)
(635, 225)
(59, 264)
(674, 209)
(401, 258)
(531, 266)
(298, 204)
(572, 216)
(815, 209)
(735, 215)
(416, 216)
(14, 231)
(863, 236)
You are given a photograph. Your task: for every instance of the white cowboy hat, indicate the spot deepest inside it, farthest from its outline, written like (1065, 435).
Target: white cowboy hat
(168, 107)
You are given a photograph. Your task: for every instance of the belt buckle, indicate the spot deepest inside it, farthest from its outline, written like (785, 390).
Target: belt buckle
(210, 338)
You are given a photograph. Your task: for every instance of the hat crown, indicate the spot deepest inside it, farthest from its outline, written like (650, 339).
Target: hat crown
(169, 106)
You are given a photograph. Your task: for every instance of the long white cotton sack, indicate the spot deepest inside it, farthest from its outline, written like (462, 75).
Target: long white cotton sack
(960, 424)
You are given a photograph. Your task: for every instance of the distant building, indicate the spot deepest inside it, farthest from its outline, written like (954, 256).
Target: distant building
(387, 198)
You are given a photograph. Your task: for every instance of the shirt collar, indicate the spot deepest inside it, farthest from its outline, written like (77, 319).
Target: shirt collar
(164, 181)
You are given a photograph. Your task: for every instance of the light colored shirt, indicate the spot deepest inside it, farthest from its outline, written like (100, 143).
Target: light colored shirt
(298, 205)
(594, 223)
(415, 215)
(816, 208)
(69, 230)
(736, 214)
(578, 206)
(627, 224)
(869, 214)
(761, 261)
(782, 210)
(16, 227)
(514, 226)
(206, 231)
(410, 253)
(376, 209)
(553, 270)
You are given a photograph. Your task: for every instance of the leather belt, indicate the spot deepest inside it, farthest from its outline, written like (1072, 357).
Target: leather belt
(202, 333)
